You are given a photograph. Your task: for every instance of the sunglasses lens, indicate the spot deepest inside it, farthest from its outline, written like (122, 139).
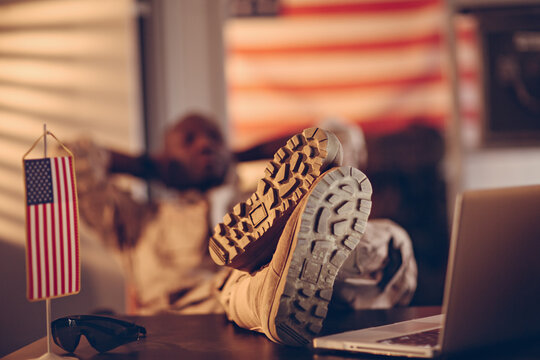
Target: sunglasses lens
(104, 342)
(67, 338)
(105, 335)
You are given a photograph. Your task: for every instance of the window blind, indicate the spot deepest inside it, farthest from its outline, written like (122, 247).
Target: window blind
(71, 65)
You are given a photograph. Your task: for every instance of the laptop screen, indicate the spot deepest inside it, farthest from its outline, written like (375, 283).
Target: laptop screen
(492, 289)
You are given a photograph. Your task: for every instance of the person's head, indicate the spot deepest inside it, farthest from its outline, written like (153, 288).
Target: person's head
(196, 142)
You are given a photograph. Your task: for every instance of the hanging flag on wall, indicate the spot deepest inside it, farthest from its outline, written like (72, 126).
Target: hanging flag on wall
(376, 63)
(52, 235)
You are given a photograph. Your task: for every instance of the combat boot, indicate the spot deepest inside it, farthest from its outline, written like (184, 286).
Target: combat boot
(288, 299)
(247, 237)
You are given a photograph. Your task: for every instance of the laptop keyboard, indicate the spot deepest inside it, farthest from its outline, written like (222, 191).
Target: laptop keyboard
(428, 338)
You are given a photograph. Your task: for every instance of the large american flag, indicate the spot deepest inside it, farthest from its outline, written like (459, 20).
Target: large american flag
(53, 267)
(378, 63)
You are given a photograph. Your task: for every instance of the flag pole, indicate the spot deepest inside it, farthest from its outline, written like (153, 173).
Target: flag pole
(48, 355)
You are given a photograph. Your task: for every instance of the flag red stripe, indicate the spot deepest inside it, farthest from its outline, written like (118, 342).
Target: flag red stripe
(29, 265)
(61, 224)
(65, 197)
(75, 223)
(418, 80)
(363, 8)
(370, 84)
(360, 46)
(55, 233)
(40, 249)
(370, 126)
(394, 44)
(46, 250)
(54, 254)
(69, 222)
(395, 124)
(69, 235)
(38, 252)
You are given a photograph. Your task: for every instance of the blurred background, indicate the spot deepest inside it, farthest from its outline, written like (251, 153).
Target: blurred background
(447, 94)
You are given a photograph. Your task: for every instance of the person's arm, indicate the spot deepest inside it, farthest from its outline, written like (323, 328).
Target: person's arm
(141, 166)
(262, 151)
(111, 212)
(169, 172)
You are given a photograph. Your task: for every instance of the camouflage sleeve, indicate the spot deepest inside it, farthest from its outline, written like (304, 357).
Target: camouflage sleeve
(380, 272)
(111, 212)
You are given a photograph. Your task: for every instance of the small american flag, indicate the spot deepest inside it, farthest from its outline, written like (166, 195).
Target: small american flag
(53, 267)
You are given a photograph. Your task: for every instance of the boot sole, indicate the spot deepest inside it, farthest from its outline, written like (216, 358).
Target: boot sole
(247, 237)
(331, 225)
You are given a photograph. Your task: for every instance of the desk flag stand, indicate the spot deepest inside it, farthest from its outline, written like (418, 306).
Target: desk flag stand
(52, 235)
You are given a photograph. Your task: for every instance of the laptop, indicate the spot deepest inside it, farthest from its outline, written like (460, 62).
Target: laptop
(492, 289)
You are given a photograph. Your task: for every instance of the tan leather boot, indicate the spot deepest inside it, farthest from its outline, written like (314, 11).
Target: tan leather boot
(247, 237)
(288, 299)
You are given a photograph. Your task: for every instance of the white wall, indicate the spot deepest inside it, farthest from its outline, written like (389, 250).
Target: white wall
(186, 61)
(501, 167)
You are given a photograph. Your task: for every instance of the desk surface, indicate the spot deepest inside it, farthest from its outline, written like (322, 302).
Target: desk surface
(213, 337)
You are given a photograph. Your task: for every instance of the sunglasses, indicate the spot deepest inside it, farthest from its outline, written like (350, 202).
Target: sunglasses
(103, 333)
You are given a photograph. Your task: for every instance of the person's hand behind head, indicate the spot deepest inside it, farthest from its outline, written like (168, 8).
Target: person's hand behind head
(91, 162)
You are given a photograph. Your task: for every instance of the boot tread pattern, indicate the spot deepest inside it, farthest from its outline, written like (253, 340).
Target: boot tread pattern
(331, 226)
(286, 179)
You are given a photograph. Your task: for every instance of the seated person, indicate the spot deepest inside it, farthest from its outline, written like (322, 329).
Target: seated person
(164, 243)
(161, 243)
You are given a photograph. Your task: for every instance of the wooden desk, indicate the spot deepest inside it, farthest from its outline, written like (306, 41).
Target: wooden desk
(213, 337)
